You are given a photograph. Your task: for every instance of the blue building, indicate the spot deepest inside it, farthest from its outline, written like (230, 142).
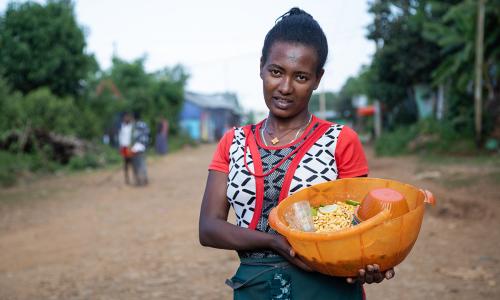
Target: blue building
(205, 117)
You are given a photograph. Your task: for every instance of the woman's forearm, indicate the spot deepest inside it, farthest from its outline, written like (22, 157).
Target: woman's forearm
(215, 231)
(221, 234)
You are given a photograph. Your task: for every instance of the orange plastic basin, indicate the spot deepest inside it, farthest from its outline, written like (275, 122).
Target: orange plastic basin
(381, 240)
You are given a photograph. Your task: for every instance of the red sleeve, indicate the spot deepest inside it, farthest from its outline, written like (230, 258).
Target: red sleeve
(349, 155)
(220, 160)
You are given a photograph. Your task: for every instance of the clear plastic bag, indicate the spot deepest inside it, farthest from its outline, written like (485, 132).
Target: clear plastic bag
(299, 216)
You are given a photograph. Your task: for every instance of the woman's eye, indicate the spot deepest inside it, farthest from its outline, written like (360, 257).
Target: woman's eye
(301, 78)
(275, 72)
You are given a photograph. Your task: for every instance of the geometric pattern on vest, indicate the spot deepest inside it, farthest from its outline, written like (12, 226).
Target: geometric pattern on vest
(273, 183)
(241, 185)
(318, 164)
(272, 189)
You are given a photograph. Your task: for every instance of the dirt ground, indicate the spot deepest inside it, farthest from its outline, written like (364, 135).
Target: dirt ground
(89, 236)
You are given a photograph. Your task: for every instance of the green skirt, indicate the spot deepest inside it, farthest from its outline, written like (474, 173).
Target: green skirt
(275, 278)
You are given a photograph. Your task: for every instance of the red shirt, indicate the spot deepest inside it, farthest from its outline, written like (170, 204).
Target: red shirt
(349, 154)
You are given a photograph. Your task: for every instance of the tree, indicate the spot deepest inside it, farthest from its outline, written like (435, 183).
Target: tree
(404, 58)
(454, 30)
(10, 104)
(154, 95)
(42, 45)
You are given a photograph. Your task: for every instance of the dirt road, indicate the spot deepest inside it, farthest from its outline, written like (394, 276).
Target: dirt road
(88, 236)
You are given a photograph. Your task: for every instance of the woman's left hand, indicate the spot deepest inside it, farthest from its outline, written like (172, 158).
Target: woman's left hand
(371, 274)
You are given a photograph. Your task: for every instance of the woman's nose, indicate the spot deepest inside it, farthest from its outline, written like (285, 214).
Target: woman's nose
(285, 86)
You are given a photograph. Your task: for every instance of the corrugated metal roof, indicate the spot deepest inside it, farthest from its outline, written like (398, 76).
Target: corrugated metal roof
(223, 100)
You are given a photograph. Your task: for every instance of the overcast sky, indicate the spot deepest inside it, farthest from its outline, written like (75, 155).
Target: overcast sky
(219, 41)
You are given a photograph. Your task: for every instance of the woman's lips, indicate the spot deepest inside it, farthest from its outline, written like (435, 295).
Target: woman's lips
(282, 103)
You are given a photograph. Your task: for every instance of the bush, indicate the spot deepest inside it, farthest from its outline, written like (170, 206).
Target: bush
(13, 166)
(395, 143)
(43, 110)
(450, 137)
(10, 165)
(87, 161)
(97, 158)
(427, 136)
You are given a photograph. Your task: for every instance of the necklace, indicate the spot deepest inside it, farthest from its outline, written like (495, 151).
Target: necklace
(316, 134)
(277, 139)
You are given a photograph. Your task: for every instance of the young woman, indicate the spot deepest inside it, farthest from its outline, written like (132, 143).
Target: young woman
(258, 165)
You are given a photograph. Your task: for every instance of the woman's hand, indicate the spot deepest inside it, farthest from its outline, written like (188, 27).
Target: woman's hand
(371, 274)
(281, 245)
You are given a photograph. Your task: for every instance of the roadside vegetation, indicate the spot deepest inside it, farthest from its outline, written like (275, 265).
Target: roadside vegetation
(422, 74)
(59, 109)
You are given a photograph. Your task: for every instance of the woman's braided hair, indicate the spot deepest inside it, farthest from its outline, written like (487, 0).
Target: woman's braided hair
(297, 26)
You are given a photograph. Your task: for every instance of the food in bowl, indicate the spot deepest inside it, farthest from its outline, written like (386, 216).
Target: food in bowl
(382, 239)
(343, 215)
(333, 217)
(325, 218)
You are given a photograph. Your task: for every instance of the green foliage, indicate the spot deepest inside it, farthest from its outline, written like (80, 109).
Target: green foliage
(43, 46)
(49, 84)
(427, 137)
(433, 43)
(97, 114)
(10, 104)
(15, 165)
(99, 157)
(87, 161)
(10, 167)
(395, 143)
(454, 29)
(358, 85)
(404, 57)
(153, 95)
(353, 87)
(40, 109)
(455, 33)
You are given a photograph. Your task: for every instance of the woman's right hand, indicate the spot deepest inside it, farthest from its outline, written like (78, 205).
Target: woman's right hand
(215, 231)
(281, 245)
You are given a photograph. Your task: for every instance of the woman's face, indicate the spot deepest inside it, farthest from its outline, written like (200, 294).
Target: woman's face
(289, 77)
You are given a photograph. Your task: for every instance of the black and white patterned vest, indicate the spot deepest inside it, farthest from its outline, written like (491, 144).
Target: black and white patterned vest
(314, 163)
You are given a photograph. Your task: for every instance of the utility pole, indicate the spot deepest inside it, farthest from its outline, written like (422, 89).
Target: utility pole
(377, 118)
(479, 68)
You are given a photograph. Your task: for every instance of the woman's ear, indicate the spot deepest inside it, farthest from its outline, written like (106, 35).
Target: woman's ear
(318, 78)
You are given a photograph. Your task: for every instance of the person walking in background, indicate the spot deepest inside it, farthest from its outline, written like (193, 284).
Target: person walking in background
(133, 138)
(124, 143)
(161, 142)
(140, 139)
